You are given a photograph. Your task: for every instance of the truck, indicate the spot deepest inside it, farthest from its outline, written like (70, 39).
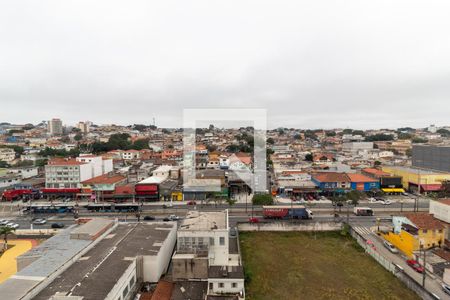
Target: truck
(363, 211)
(284, 212)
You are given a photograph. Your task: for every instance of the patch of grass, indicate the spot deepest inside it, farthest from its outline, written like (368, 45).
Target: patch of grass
(325, 265)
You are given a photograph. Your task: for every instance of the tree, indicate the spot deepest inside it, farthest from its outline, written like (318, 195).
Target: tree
(330, 133)
(5, 231)
(3, 164)
(297, 136)
(347, 131)
(444, 132)
(418, 140)
(309, 157)
(78, 137)
(232, 148)
(262, 199)
(41, 162)
(140, 144)
(25, 163)
(270, 141)
(404, 136)
(379, 137)
(231, 202)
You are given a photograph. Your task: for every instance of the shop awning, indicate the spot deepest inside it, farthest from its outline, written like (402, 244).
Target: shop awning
(393, 190)
(431, 187)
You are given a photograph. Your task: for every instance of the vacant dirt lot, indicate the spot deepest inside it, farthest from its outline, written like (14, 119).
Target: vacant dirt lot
(327, 265)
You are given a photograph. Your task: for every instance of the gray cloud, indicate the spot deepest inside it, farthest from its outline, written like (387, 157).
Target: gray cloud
(360, 64)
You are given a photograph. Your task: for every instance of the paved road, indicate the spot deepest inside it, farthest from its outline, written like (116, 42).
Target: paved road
(431, 284)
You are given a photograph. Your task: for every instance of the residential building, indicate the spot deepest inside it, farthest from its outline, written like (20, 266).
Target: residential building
(206, 252)
(416, 231)
(69, 172)
(130, 154)
(84, 126)
(9, 180)
(7, 155)
(440, 209)
(55, 127)
(103, 185)
(354, 147)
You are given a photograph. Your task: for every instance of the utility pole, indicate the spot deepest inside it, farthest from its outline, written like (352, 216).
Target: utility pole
(424, 267)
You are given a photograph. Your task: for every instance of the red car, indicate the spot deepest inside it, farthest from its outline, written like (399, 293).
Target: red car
(191, 203)
(253, 220)
(415, 265)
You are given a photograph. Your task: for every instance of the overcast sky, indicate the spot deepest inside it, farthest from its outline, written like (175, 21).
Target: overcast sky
(311, 64)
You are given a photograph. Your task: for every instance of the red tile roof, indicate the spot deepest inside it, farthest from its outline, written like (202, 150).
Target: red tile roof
(444, 201)
(375, 172)
(331, 177)
(105, 179)
(64, 162)
(424, 221)
(163, 290)
(360, 178)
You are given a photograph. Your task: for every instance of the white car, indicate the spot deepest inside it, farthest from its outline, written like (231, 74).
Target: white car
(174, 217)
(390, 247)
(386, 202)
(13, 225)
(39, 221)
(4, 222)
(373, 200)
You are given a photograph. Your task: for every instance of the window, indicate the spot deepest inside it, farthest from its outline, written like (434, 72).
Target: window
(221, 285)
(424, 231)
(234, 285)
(211, 241)
(132, 281)
(222, 241)
(125, 292)
(211, 286)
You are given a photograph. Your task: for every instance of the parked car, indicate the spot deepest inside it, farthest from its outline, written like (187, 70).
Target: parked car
(390, 247)
(253, 220)
(415, 265)
(233, 232)
(149, 218)
(4, 222)
(386, 202)
(191, 203)
(446, 288)
(405, 194)
(12, 225)
(57, 225)
(40, 221)
(373, 200)
(166, 219)
(167, 205)
(173, 217)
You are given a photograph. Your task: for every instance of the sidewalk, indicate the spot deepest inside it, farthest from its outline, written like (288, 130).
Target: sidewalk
(8, 265)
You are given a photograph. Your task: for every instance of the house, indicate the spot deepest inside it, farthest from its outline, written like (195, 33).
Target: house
(7, 155)
(332, 182)
(206, 252)
(416, 231)
(131, 154)
(362, 182)
(104, 184)
(440, 209)
(240, 161)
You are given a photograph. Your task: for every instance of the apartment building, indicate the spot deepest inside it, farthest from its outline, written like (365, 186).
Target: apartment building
(207, 253)
(7, 155)
(69, 172)
(55, 127)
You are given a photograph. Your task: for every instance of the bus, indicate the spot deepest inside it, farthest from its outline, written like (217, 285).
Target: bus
(113, 207)
(49, 209)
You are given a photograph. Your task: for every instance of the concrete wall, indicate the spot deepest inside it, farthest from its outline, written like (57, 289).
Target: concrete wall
(155, 266)
(440, 210)
(288, 226)
(227, 286)
(189, 268)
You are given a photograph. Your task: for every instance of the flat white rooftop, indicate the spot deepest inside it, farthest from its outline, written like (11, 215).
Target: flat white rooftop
(196, 220)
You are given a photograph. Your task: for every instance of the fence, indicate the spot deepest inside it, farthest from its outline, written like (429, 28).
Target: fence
(391, 267)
